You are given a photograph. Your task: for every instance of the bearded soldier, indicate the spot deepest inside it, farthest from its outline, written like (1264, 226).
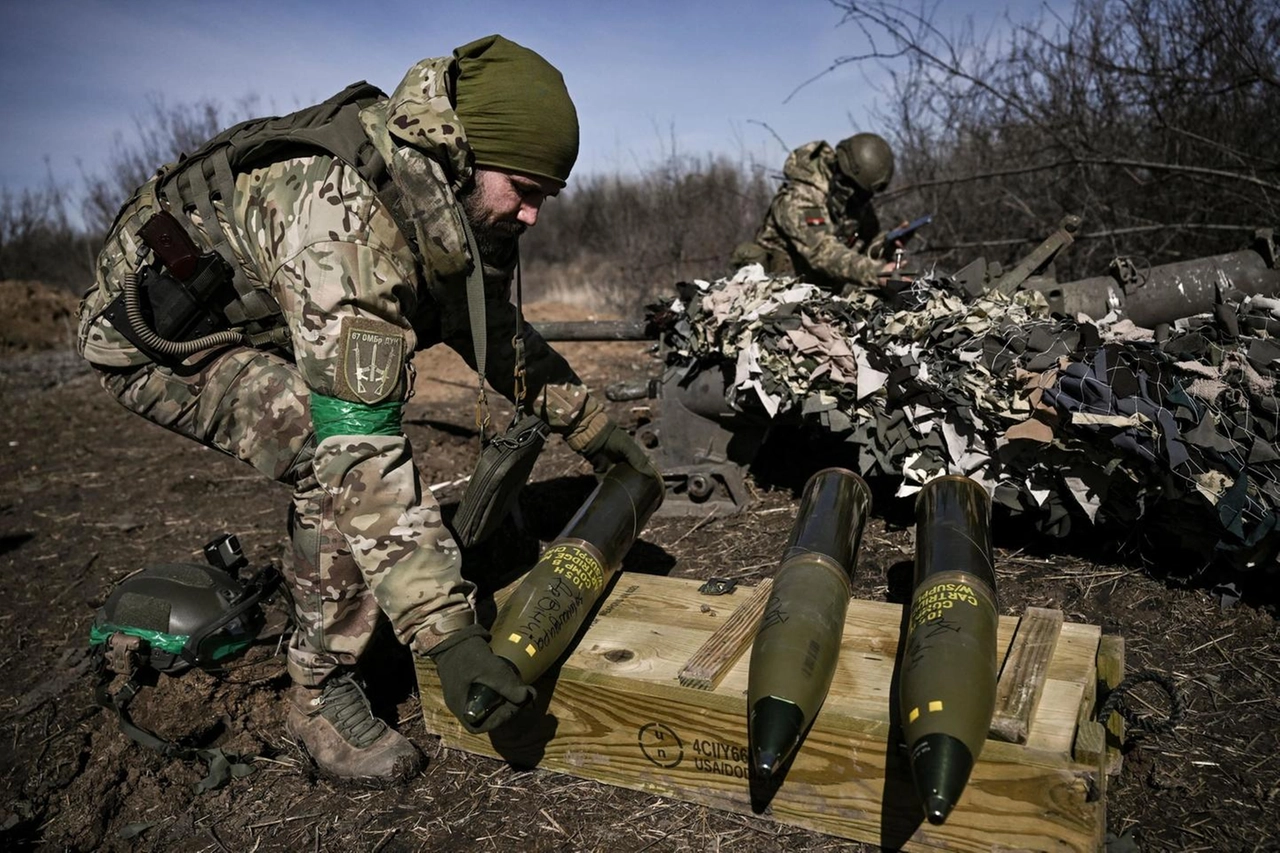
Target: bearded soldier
(265, 297)
(821, 226)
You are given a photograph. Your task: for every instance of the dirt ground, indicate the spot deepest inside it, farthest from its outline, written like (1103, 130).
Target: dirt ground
(90, 493)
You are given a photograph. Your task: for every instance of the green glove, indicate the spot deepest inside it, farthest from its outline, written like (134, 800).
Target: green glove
(465, 658)
(615, 444)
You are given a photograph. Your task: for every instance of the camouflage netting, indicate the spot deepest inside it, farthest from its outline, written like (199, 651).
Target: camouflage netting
(1091, 422)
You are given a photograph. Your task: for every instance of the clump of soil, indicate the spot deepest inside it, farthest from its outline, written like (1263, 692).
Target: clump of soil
(36, 317)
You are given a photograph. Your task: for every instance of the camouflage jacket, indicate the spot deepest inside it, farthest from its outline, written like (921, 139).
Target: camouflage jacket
(315, 235)
(805, 235)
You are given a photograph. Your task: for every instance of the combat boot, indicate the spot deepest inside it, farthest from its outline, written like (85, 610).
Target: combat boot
(344, 738)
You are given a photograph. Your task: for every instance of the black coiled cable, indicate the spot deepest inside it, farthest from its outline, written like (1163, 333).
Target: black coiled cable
(176, 349)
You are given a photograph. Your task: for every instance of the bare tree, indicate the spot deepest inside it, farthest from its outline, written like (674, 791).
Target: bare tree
(37, 239)
(162, 133)
(628, 238)
(1153, 119)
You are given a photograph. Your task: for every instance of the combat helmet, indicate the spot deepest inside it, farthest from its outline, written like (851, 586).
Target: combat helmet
(168, 618)
(867, 160)
(172, 616)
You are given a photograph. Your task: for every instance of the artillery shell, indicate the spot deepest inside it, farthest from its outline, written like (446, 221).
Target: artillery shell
(948, 685)
(793, 657)
(543, 615)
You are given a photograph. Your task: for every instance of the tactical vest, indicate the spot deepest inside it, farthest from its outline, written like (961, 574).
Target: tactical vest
(332, 127)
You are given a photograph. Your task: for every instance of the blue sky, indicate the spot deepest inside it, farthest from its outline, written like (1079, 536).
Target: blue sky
(647, 76)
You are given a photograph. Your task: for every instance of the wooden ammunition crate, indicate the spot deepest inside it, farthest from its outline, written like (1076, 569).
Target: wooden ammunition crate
(617, 712)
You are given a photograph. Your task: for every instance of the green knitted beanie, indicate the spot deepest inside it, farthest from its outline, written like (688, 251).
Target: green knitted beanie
(515, 109)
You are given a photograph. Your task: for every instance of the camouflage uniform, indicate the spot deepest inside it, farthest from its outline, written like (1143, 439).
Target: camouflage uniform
(810, 232)
(366, 535)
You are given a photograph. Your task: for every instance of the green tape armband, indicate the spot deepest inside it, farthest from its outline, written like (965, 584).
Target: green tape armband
(331, 416)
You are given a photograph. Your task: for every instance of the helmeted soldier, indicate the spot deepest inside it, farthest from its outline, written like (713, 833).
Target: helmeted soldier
(821, 225)
(311, 273)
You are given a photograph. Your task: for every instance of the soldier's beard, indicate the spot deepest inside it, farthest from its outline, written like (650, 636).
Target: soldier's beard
(497, 240)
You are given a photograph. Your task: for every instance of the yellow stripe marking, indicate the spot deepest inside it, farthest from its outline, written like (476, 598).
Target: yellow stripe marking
(514, 638)
(531, 650)
(935, 705)
(914, 715)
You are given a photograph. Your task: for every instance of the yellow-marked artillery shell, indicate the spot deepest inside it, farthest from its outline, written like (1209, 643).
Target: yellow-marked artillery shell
(947, 687)
(949, 667)
(543, 615)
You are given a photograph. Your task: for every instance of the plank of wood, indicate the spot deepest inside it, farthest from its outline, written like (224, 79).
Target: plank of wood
(1090, 743)
(1111, 673)
(1025, 674)
(723, 648)
(1071, 671)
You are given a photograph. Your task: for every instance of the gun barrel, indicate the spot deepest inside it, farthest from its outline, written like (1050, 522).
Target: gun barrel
(948, 683)
(1164, 293)
(543, 615)
(594, 330)
(794, 654)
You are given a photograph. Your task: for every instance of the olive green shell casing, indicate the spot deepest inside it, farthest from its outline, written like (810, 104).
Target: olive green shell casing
(947, 687)
(794, 654)
(545, 612)
(562, 587)
(541, 618)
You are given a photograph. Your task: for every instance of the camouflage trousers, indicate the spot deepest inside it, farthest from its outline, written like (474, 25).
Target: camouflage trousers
(253, 405)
